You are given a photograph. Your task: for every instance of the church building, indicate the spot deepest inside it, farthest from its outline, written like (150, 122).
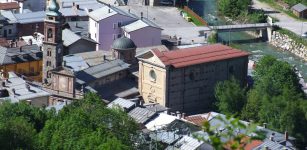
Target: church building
(184, 80)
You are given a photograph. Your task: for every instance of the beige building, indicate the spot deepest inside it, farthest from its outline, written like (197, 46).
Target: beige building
(184, 80)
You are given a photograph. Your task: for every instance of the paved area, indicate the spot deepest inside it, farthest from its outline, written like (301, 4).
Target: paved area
(169, 19)
(285, 21)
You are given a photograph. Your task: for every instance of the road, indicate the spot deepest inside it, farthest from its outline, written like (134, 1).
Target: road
(296, 26)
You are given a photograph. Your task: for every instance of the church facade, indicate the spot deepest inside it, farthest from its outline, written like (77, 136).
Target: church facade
(184, 80)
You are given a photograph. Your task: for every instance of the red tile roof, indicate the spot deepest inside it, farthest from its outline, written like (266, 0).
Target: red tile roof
(198, 55)
(253, 144)
(8, 6)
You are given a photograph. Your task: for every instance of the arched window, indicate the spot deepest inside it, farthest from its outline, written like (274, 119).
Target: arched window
(152, 75)
(49, 33)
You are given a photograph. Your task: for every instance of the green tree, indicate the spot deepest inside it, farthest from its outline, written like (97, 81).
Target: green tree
(88, 124)
(230, 97)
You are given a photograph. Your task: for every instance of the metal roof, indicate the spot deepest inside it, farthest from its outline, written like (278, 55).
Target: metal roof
(70, 37)
(31, 17)
(18, 55)
(141, 115)
(102, 70)
(160, 121)
(142, 23)
(167, 137)
(186, 143)
(76, 63)
(9, 16)
(122, 103)
(106, 11)
(23, 90)
(271, 145)
(92, 58)
(79, 27)
(299, 7)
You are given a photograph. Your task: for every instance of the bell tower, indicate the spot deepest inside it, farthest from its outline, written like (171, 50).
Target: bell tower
(53, 45)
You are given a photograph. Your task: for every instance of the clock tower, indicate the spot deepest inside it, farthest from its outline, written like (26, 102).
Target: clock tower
(53, 45)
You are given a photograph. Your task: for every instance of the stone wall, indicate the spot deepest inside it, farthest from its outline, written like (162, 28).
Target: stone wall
(285, 43)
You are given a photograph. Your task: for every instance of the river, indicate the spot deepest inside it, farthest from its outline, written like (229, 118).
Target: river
(208, 10)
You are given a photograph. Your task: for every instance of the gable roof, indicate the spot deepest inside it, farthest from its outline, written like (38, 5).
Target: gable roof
(106, 11)
(70, 37)
(198, 55)
(142, 23)
(299, 7)
(18, 55)
(122, 103)
(92, 73)
(30, 17)
(141, 115)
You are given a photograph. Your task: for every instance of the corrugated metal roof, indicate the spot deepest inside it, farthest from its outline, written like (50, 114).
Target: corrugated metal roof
(14, 55)
(187, 143)
(160, 121)
(271, 145)
(102, 70)
(167, 137)
(31, 17)
(10, 16)
(92, 58)
(122, 103)
(70, 37)
(299, 7)
(141, 115)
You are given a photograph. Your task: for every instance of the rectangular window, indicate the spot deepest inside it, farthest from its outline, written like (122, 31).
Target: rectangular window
(114, 36)
(119, 24)
(10, 31)
(114, 25)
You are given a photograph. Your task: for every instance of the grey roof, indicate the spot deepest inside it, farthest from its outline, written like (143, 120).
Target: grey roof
(123, 43)
(271, 145)
(167, 137)
(75, 63)
(299, 7)
(102, 70)
(156, 107)
(10, 16)
(70, 37)
(18, 55)
(142, 23)
(143, 50)
(141, 115)
(122, 103)
(103, 13)
(79, 27)
(92, 58)
(21, 90)
(31, 17)
(68, 12)
(186, 143)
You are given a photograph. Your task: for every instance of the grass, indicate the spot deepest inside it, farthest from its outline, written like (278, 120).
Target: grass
(194, 20)
(273, 4)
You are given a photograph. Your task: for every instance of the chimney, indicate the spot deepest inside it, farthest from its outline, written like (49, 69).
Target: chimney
(76, 24)
(286, 135)
(173, 114)
(28, 87)
(3, 83)
(266, 148)
(183, 115)
(141, 15)
(29, 102)
(272, 136)
(13, 90)
(265, 125)
(192, 42)
(128, 10)
(178, 114)
(20, 49)
(64, 63)
(77, 7)
(109, 10)
(73, 3)
(30, 42)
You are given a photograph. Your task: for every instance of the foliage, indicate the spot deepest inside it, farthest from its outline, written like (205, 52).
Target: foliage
(19, 124)
(212, 38)
(230, 96)
(233, 8)
(84, 124)
(88, 124)
(234, 141)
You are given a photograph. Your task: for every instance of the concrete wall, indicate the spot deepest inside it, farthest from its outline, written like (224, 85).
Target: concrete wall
(152, 37)
(107, 30)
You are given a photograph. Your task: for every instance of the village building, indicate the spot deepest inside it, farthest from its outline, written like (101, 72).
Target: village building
(184, 80)
(15, 89)
(24, 60)
(28, 5)
(29, 23)
(8, 25)
(300, 10)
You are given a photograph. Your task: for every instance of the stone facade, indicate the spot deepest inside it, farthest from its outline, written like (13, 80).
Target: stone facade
(285, 43)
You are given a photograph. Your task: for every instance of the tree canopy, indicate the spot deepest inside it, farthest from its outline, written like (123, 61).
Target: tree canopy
(85, 124)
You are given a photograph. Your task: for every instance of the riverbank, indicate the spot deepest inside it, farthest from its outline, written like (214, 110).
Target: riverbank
(286, 43)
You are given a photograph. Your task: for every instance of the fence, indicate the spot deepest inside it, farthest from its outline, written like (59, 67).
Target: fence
(192, 13)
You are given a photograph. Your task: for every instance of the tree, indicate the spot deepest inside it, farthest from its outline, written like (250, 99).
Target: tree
(88, 124)
(230, 97)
